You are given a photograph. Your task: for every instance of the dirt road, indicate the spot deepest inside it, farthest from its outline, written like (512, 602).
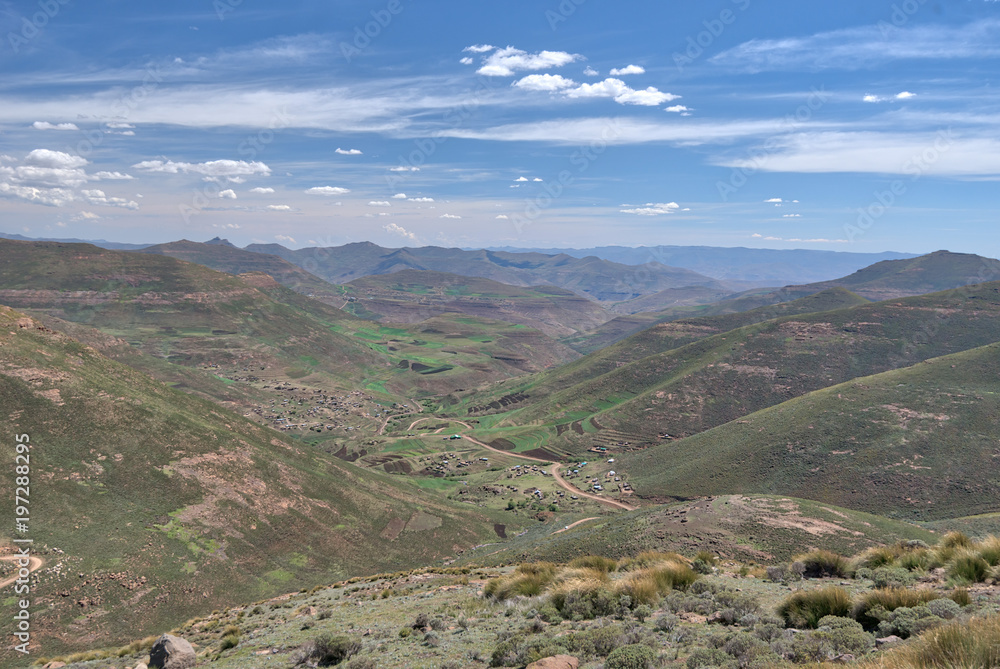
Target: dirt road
(450, 420)
(555, 474)
(34, 563)
(572, 525)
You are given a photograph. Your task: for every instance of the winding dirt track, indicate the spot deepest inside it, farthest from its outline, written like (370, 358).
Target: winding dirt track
(555, 474)
(572, 525)
(34, 563)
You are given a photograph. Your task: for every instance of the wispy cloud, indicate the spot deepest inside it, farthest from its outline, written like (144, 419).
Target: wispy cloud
(652, 209)
(505, 62)
(348, 152)
(630, 69)
(327, 190)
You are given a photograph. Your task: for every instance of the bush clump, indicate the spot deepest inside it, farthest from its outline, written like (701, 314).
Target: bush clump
(328, 650)
(805, 608)
(967, 567)
(889, 600)
(595, 562)
(635, 656)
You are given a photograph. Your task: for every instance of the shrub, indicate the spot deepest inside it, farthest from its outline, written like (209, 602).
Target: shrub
(329, 650)
(405, 632)
(838, 635)
(906, 622)
(229, 641)
(595, 562)
(889, 599)
(361, 663)
(821, 564)
(972, 644)
(527, 580)
(505, 654)
(944, 608)
(915, 560)
(891, 577)
(710, 658)
(642, 612)
(666, 623)
(635, 656)
(967, 567)
(804, 609)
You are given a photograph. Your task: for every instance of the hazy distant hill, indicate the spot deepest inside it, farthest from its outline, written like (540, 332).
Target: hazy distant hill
(410, 296)
(765, 267)
(104, 244)
(929, 273)
(220, 255)
(593, 277)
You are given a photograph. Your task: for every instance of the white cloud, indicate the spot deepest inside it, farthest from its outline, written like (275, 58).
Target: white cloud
(86, 216)
(590, 72)
(54, 159)
(479, 48)
(99, 197)
(503, 217)
(905, 95)
(621, 93)
(379, 203)
(521, 179)
(119, 125)
(328, 190)
(467, 61)
(450, 216)
(872, 98)
(399, 196)
(505, 62)
(45, 125)
(394, 229)
(262, 191)
(228, 194)
(277, 207)
(677, 109)
(774, 200)
(631, 69)
(348, 152)
(421, 199)
(653, 209)
(404, 169)
(213, 168)
(285, 238)
(792, 216)
(544, 82)
(865, 47)
(113, 176)
(52, 197)
(536, 179)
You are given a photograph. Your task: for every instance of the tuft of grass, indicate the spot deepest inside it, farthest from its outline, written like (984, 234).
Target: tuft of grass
(955, 540)
(647, 559)
(805, 608)
(989, 550)
(967, 567)
(877, 556)
(595, 562)
(822, 564)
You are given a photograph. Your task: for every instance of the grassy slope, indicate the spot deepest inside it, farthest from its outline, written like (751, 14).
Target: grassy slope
(726, 376)
(759, 528)
(917, 443)
(132, 480)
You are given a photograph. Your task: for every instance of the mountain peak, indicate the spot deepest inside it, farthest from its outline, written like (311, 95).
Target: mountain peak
(218, 241)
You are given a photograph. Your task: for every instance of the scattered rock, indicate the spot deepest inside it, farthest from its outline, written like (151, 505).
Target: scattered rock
(171, 652)
(887, 641)
(556, 662)
(54, 665)
(843, 659)
(715, 619)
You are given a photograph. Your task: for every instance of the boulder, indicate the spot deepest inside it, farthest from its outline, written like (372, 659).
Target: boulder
(887, 641)
(54, 665)
(556, 662)
(171, 652)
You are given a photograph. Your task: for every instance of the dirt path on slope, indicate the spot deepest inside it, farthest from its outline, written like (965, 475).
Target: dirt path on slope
(555, 474)
(572, 525)
(34, 563)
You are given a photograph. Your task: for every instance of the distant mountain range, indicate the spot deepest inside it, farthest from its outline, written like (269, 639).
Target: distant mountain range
(764, 267)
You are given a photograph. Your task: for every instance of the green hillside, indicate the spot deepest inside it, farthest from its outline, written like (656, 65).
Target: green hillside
(149, 505)
(714, 380)
(917, 443)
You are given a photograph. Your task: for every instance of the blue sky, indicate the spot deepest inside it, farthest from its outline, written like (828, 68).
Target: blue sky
(854, 126)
